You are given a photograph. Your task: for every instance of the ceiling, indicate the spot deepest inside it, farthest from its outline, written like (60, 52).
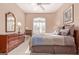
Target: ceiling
(39, 7)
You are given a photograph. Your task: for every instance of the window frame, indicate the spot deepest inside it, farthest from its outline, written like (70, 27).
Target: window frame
(40, 20)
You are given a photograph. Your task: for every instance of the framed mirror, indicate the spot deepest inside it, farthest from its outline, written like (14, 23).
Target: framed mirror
(10, 22)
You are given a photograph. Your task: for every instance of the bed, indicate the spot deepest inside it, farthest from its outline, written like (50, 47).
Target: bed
(53, 44)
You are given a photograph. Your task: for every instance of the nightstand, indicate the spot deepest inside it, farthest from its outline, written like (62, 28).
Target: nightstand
(28, 32)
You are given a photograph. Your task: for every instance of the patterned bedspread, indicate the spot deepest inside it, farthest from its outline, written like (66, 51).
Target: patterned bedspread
(48, 39)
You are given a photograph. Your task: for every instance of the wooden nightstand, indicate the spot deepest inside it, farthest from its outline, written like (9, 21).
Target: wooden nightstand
(28, 32)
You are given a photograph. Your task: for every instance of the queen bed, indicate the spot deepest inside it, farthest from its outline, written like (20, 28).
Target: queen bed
(53, 44)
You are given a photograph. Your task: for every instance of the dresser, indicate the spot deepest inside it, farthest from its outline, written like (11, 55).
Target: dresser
(10, 41)
(28, 32)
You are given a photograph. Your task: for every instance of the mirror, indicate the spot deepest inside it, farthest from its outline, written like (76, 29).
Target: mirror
(10, 22)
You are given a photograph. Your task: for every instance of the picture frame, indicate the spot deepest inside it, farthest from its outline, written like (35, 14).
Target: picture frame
(10, 22)
(69, 15)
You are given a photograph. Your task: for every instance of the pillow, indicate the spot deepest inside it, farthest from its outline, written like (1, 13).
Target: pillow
(55, 32)
(71, 29)
(64, 32)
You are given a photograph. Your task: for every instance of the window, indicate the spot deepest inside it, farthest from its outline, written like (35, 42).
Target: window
(39, 25)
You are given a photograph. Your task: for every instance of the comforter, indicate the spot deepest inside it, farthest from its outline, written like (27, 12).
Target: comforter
(49, 39)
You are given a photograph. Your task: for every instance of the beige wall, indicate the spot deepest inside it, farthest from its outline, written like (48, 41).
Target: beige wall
(19, 14)
(59, 14)
(53, 20)
(50, 20)
(76, 14)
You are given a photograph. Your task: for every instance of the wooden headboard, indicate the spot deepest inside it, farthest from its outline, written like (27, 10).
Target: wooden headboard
(76, 36)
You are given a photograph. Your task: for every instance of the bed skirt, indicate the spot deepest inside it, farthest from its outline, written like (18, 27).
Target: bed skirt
(53, 49)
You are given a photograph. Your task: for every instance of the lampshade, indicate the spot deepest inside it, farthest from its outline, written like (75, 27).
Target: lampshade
(19, 23)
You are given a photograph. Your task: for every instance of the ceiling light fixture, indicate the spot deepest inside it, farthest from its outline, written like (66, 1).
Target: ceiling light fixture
(41, 5)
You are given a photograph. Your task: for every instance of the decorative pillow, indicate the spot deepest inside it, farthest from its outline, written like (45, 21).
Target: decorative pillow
(71, 29)
(64, 32)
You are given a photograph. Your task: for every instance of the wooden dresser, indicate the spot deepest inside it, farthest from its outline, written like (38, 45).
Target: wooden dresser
(10, 41)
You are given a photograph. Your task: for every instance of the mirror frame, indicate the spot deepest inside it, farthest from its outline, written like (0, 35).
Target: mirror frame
(6, 22)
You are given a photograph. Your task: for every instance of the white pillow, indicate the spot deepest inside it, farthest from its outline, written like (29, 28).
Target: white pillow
(56, 32)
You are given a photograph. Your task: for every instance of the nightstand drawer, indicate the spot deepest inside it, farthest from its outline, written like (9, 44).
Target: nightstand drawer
(28, 32)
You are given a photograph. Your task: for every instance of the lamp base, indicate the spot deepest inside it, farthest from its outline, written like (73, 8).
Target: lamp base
(18, 32)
